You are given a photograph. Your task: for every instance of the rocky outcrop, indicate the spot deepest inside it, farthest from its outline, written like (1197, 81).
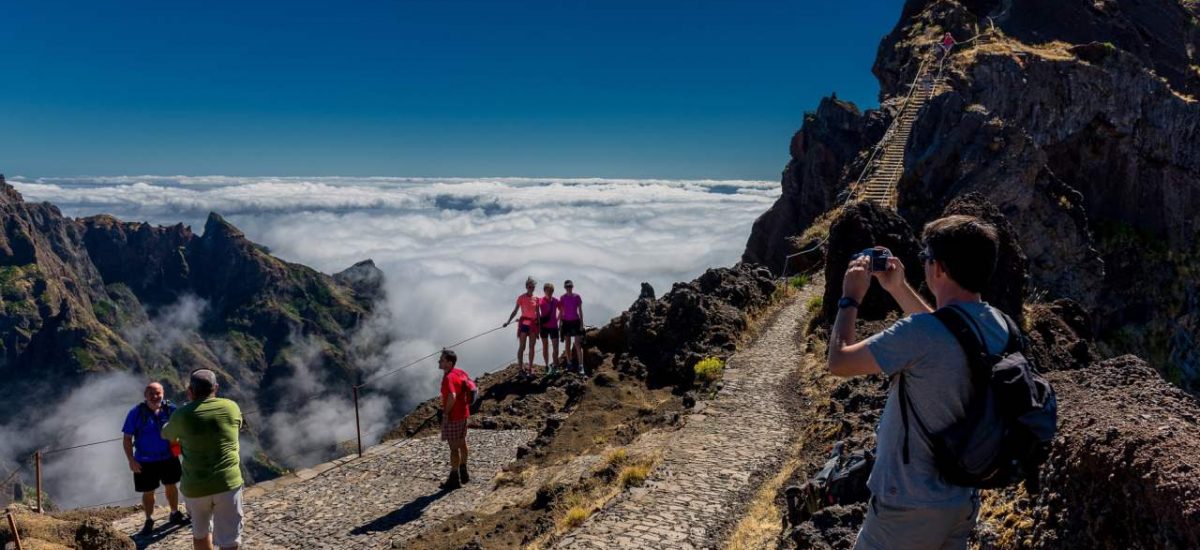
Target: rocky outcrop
(100, 294)
(863, 225)
(1122, 473)
(821, 152)
(662, 339)
(1077, 120)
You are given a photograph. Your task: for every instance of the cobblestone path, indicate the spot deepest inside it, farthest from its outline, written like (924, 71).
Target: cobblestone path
(387, 496)
(714, 463)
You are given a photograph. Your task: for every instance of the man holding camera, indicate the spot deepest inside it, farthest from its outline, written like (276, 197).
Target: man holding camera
(911, 505)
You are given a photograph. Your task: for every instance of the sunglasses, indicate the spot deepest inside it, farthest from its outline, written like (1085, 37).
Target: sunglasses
(925, 257)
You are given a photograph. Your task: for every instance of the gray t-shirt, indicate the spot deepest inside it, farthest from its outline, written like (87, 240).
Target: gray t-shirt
(938, 383)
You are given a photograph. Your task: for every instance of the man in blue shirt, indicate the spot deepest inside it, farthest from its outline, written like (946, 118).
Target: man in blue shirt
(150, 457)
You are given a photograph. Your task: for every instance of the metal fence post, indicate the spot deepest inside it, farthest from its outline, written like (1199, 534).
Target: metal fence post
(357, 425)
(37, 468)
(12, 526)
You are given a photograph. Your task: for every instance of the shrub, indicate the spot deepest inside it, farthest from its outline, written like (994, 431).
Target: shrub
(709, 369)
(815, 303)
(634, 476)
(799, 281)
(615, 457)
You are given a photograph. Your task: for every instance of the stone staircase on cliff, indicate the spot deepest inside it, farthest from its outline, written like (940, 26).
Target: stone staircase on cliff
(878, 180)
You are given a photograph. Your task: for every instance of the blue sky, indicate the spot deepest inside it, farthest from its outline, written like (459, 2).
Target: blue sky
(669, 89)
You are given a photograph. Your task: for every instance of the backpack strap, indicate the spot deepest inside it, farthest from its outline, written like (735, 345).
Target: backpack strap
(905, 405)
(1016, 340)
(969, 336)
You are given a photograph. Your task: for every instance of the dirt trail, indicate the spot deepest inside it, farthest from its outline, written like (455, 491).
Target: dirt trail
(711, 466)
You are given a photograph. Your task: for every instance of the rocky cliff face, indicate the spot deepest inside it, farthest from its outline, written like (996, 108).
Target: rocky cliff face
(1077, 119)
(98, 294)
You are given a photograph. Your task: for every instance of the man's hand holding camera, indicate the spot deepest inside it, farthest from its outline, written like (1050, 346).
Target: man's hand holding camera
(857, 279)
(889, 270)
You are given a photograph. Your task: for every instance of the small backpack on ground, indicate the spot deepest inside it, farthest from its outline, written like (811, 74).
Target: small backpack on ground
(843, 480)
(1010, 420)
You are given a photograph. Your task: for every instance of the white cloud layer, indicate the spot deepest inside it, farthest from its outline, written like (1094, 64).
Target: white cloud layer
(455, 251)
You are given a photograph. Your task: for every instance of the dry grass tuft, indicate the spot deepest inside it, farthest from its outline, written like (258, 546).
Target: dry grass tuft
(616, 458)
(633, 475)
(574, 517)
(1003, 516)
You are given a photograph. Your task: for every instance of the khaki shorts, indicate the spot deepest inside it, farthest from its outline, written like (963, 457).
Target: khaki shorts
(219, 514)
(889, 527)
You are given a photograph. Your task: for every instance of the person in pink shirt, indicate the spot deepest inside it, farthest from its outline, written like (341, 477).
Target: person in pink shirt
(570, 308)
(548, 320)
(948, 43)
(527, 326)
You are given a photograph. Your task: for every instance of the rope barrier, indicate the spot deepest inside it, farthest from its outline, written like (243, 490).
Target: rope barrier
(267, 412)
(80, 446)
(13, 474)
(118, 501)
(378, 377)
(263, 411)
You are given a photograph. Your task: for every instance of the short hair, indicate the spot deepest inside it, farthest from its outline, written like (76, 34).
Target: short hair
(530, 281)
(548, 286)
(967, 247)
(568, 283)
(449, 355)
(203, 383)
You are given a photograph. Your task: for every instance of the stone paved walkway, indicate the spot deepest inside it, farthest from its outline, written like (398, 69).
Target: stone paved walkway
(387, 496)
(716, 461)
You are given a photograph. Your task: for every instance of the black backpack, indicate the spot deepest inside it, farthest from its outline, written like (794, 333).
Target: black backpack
(843, 480)
(1010, 418)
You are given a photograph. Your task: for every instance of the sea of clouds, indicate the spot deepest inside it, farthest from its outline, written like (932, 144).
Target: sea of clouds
(455, 253)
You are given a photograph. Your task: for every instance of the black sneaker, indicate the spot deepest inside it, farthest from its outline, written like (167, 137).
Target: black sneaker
(462, 473)
(451, 482)
(178, 518)
(147, 528)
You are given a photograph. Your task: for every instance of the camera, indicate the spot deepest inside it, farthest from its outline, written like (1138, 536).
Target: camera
(879, 258)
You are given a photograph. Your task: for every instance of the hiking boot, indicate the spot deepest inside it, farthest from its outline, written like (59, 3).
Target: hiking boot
(463, 475)
(177, 518)
(451, 482)
(147, 528)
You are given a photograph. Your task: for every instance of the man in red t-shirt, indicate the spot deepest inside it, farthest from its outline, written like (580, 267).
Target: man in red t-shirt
(457, 388)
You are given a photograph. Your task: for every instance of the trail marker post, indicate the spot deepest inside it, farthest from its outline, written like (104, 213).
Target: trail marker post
(37, 469)
(357, 424)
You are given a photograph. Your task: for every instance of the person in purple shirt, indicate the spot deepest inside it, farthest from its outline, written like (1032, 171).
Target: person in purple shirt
(570, 307)
(150, 457)
(548, 317)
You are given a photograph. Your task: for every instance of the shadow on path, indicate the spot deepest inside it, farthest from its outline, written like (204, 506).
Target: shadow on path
(157, 535)
(401, 515)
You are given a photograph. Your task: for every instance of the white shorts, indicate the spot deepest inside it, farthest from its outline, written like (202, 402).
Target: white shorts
(219, 514)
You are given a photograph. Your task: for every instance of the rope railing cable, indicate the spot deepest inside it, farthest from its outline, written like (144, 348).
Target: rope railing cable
(118, 501)
(415, 362)
(261, 411)
(80, 446)
(13, 473)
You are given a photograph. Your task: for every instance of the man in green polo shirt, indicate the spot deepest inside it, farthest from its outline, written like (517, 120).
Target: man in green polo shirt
(207, 430)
